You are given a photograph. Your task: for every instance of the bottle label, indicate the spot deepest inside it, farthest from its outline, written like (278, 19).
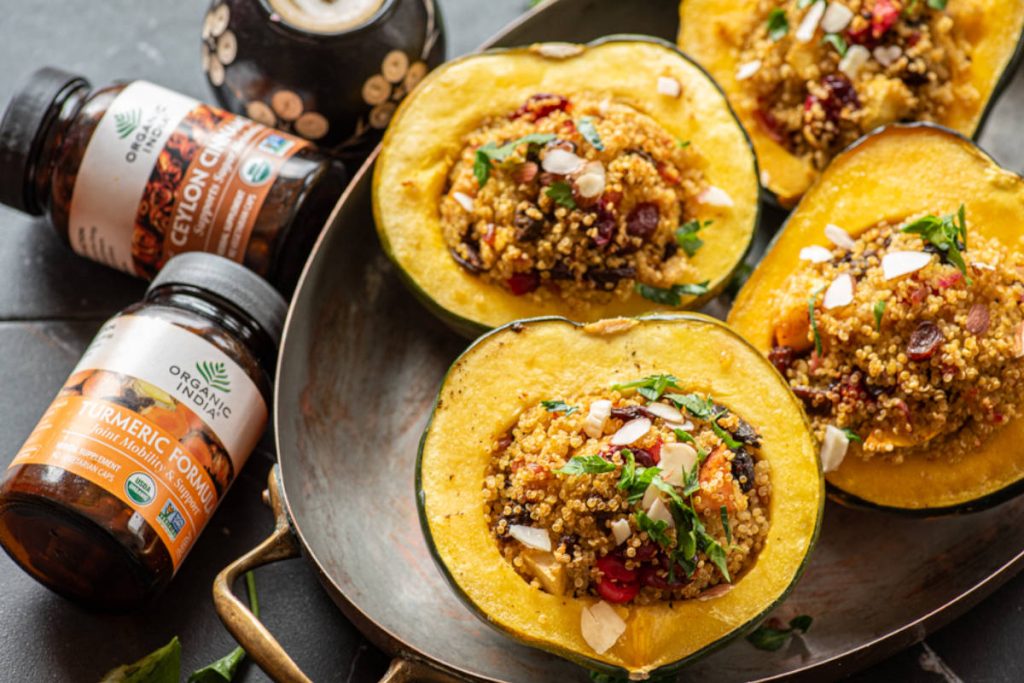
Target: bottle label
(164, 174)
(158, 417)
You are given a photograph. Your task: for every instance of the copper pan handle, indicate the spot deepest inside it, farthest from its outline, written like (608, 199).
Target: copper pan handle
(254, 637)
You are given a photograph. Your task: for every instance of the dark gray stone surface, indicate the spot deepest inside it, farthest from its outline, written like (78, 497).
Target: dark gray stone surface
(51, 303)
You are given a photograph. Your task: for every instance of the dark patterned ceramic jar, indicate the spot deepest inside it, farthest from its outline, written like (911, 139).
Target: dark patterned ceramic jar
(332, 71)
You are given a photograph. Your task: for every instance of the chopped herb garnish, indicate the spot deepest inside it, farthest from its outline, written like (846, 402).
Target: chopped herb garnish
(686, 236)
(686, 437)
(492, 153)
(771, 639)
(683, 144)
(559, 407)
(837, 41)
(673, 295)
(717, 555)
(670, 490)
(655, 529)
(700, 408)
(561, 192)
(879, 310)
(627, 479)
(588, 130)
(650, 387)
(724, 511)
(726, 437)
(778, 25)
(814, 325)
(643, 479)
(803, 4)
(587, 464)
(938, 4)
(852, 435)
(948, 234)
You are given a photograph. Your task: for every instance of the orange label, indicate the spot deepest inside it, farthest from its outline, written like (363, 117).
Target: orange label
(170, 478)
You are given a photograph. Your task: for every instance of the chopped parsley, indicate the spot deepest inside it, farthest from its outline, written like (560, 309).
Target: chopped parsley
(559, 407)
(642, 480)
(726, 437)
(628, 476)
(683, 144)
(716, 553)
(491, 153)
(879, 310)
(814, 324)
(588, 130)
(837, 41)
(724, 511)
(852, 435)
(561, 192)
(700, 408)
(673, 295)
(686, 236)
(778, 25)
(656, 529)
(650, 387)
(587, 464)
(948, 234)
(771, 638)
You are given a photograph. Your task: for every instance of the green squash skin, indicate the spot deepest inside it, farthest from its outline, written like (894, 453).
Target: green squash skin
(472, 329)
(578, 658)
(849, 500)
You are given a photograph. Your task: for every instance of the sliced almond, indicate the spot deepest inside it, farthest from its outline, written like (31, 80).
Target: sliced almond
(631, 431)
(598, 415)
(601, 626)
(546, 569)
(748, 69)
(816, 254)
(809, 25)
(659, 513)
(833, 448)
(464, 200)
(899, 263)
(669, 86)
(839, 237)
(715, 196)
(839, 293)
(836, 18)
(666, 412)
(561, 162)
(676, 460)
(886, 55)
(621, 530)
(531, 537)
(854, 59)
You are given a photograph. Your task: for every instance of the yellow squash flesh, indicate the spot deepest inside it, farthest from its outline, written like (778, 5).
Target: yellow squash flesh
(516, 367)
(426, 135)
(712, 32)
(891, 175)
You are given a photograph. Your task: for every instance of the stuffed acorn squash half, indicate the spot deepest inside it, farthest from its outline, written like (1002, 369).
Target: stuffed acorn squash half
(891, 302)
(628, 494)
(809, 78)
(580, 180)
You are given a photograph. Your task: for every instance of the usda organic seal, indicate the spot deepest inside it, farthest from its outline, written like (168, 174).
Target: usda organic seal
(140, 488)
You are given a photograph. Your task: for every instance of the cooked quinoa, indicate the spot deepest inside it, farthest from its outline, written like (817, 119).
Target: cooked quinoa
(925, 363)
(563, 472)
(884, 61)
(576, 199)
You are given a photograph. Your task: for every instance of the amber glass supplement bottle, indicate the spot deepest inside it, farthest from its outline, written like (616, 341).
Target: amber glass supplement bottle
(132, 174)
(125, 468)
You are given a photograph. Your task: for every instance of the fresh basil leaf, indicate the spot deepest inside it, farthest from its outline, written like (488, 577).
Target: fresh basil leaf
(628, 476)
(700, 408)
(586, 464)
(559, 407)
(837, 41)
(644, 477)
(670, 490)
(588, 130)
(561, 192)
(948, 234)
(656, 530)
(160, 666)
(852, 435)
(717, 555)
(686, 236)
(778, 25)
(650, 387)
(879, 311)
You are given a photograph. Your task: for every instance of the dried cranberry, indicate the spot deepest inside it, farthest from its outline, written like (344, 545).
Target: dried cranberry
(523, 283)
(643, 220)
(650, 576)
(645, 552)
(862, 34)
(528, 228)
(617, 593)
(781, 357)
(605, 225)
(655, 451)
(631, 413)
(924, 341)
(615, 569)
(815, 400)
(560, 271)
(841, 94)
(743, 469)
(883, 17)
(643, 457)
(471, 263)
(978, 319)
(767, 122)
(540, 105)
(608, 278)
(947, 281)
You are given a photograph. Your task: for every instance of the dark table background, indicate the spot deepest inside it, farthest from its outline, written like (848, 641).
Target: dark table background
(51, 303)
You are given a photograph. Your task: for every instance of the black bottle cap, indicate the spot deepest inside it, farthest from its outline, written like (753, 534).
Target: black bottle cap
(23, 130)
(231, 282)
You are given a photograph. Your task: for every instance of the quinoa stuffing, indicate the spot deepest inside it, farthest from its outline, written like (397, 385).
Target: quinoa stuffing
(635, 494)
(585, 200)
(821, 74)
(904, 342)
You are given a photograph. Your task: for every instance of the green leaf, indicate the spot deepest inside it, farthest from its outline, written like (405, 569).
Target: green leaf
(650, 387)
(938, 4)
(656, 530)
(701, 408)
(814, 325)
(772, 639)
(223, 670)
(160, 666)
(724, 512)
(559, 407)
(948, 234)
(730, 443)
(837, 41)
(627, 479)
(670, 490)
(644, 477)
(561, 192)
(673, 295)
(778, 25)
(587, 464)
(717, 555)
(879, 310)
(588, 130)
(686, 236)
(683, 144)
(490, 153)
(852, 435)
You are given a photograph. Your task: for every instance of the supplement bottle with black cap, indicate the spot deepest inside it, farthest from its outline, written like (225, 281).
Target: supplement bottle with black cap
(132, 174)
(125, 468)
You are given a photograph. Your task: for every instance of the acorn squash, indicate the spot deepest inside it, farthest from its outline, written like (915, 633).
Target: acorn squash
(522, 363)
(710, 32)
(898, 172)
(426, 137)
